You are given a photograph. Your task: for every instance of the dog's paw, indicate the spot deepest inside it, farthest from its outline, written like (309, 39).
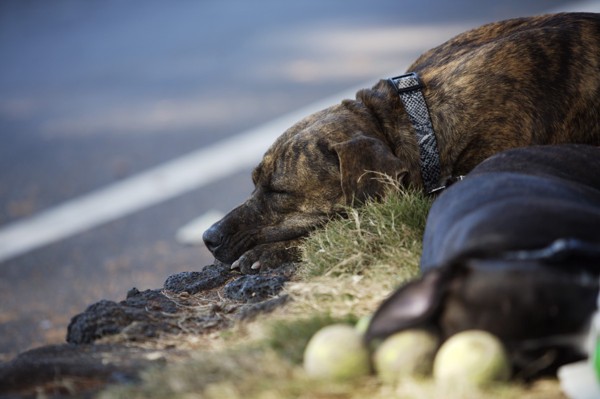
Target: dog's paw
(249, 262)
(267, 256)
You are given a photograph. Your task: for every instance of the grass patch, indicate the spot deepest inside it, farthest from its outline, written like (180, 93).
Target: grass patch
(377, 238)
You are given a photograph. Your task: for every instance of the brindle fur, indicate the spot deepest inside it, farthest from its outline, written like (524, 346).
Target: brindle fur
(507, 84)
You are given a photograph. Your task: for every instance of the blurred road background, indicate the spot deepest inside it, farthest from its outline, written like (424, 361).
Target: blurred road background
(95, 93)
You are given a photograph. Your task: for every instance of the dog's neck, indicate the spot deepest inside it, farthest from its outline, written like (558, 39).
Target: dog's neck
(394, 124)
(409, 88)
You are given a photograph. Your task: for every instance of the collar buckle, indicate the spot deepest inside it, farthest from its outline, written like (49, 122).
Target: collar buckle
(406, 83)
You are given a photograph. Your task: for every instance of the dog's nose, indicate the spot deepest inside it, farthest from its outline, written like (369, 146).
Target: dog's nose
(212, 238)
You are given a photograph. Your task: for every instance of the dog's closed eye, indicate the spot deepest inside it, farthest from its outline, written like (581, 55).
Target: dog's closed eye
(277, 192)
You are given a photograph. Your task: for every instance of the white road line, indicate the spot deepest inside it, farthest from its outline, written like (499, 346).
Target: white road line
(153, 186)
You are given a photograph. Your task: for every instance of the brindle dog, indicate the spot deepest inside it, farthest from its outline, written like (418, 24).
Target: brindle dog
(508, 84)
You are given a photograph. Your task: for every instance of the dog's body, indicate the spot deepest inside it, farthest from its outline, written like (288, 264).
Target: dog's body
(518, 200)
(509, 84)
(514, 249)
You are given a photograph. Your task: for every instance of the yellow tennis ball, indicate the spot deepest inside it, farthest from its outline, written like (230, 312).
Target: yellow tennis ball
(336, 352)
(471, 358)
(408, 353)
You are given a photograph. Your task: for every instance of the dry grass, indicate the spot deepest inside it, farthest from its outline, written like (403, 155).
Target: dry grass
(350, 267)
(262, 373)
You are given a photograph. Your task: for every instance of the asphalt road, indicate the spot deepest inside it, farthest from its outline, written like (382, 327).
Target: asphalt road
(93, 93)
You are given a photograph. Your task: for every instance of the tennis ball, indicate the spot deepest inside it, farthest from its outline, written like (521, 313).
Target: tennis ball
(336, 352)
(408, 353)
(471, 358)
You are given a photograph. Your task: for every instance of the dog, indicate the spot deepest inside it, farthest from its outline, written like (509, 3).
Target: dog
(514, 249)
(508, 84)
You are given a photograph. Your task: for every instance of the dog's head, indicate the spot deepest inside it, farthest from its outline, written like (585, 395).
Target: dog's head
(334, 158)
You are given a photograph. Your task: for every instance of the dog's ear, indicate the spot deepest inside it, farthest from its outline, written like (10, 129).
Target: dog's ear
(411, 306)
(364, 164)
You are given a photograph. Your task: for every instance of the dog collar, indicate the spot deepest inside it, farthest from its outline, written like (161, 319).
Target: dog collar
(409, 89)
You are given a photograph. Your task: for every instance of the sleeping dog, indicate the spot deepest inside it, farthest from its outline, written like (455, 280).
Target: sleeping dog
(514, 249)
(508, 84)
